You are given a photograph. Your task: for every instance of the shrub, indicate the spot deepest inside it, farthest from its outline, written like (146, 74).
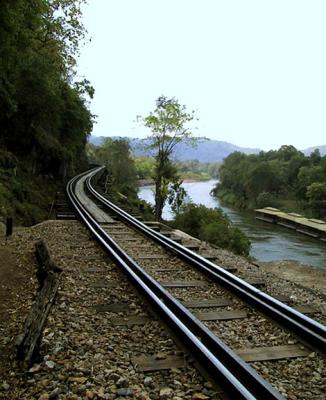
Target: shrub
(213, 226)
(266, 199)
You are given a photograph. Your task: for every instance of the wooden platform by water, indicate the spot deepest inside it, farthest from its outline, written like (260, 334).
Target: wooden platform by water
(308, 226)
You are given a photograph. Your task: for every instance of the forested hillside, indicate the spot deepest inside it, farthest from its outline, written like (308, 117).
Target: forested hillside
(284, 178)
(205, 150)
(44, 114)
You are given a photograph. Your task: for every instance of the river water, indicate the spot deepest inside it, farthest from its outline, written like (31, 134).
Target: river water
(269, 242)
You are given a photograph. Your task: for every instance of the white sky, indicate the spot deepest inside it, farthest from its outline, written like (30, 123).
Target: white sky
(253, 70)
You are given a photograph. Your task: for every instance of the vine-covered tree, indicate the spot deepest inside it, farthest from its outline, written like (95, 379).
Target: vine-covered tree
(169, 126)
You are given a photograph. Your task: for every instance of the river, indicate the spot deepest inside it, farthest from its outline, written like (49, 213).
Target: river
(269, 242)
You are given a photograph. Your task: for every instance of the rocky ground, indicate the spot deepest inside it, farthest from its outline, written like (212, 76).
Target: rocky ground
(304, 275)
(302, 284)
(84, 356)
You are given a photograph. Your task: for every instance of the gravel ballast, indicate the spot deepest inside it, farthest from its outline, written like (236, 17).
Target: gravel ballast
(85, 356)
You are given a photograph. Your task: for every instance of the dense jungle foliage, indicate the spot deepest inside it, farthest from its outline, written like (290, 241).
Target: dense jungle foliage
(44, 114)
(284, 178)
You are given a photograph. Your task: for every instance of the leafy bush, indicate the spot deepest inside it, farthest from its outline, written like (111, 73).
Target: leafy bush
(266, 199)
(213, 226)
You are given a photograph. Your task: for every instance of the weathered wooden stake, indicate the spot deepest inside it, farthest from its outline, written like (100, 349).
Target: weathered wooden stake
(9, 224)
(48, 275)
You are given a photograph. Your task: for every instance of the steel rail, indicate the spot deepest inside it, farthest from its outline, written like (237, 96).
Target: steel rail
(310, 331)
(227, 369)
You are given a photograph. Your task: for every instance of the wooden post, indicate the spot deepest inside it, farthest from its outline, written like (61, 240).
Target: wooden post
(9, 223)
(48, 275)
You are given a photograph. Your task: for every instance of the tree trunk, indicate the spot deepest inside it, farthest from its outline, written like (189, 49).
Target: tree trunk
(158, 199)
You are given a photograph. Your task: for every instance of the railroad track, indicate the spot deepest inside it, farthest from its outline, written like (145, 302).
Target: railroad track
(196, 300)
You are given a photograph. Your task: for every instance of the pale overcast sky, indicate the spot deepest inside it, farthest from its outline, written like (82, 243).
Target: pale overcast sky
(253, 70)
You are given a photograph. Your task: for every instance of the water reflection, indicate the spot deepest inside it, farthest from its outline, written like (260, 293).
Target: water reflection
(269, 242)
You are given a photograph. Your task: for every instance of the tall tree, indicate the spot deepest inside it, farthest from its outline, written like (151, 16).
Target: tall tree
(169, 126)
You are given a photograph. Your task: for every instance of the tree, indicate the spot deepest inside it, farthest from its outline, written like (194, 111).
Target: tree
(286, 152)
(307, 176)
(266, 199)
(116, 155)
(145, 167)
(315, 157)
(43, 117)
(168, 123)
(316, 194)
(213, 169)
(176, 197)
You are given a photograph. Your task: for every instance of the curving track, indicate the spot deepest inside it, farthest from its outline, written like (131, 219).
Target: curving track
(236, 377)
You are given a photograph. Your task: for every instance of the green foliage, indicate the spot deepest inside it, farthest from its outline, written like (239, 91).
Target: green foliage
(267, 178)
(21, 197)
(187, 170)
(195, 170)
(168, 124)
(44, 118)
(116, 156)
(213, 226)
(307, 176)
(177, 196)
(145, 167)
(266, 199)
(316, 194)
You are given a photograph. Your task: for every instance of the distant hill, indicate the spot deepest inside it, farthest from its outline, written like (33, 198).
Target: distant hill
(97, 140)
(321, 148)
(206, 150)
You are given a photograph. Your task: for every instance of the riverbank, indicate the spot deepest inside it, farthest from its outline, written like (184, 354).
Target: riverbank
(270, 242)
(287, 205)
(150, 182)
(302, 274)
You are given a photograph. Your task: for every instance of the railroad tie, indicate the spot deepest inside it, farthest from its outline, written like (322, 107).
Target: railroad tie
(220, 315)
(273, 353)
(147, 363)
(197, 303)
(182, 284)
(152, 257)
